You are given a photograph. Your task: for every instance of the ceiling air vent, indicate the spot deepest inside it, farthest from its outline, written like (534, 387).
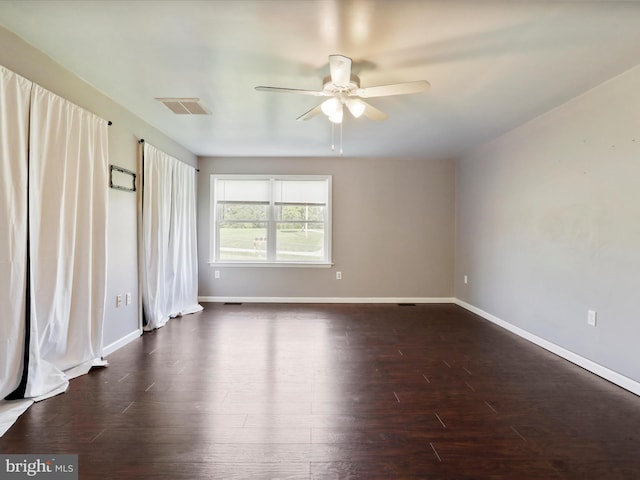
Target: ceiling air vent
(184, 106)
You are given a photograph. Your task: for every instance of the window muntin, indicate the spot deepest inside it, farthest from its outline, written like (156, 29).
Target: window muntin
(281, 220)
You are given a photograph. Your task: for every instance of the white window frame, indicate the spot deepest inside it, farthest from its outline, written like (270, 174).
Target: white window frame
(271, 224)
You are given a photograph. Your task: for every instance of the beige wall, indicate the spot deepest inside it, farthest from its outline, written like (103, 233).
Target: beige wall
(548, 226)
(392, 231)
(122, 274)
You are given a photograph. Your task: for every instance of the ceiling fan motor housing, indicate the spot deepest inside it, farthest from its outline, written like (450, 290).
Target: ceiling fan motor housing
(329, 86)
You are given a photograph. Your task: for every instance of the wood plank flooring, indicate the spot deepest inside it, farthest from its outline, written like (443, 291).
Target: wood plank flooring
(337, 392)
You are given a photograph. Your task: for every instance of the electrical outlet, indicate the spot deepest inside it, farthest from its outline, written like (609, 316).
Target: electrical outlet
(216, 274)
(466, 279)
(127, 298)
(338, 275)
(118, 301)
(592, 316)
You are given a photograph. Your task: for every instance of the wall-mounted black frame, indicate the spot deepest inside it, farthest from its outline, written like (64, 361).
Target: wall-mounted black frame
(123, 179)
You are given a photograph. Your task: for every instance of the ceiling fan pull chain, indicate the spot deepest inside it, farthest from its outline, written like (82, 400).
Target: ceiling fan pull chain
(340, 138)
(333, 143)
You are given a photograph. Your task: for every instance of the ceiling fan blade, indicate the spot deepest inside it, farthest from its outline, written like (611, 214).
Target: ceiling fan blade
(372, 113)
(310, 114)
(314, 93)
(394, 89)
(340, 69)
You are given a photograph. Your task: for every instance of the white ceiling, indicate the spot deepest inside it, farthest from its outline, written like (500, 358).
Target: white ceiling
(492, 65)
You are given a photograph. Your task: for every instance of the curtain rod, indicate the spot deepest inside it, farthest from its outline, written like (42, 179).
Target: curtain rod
(141, 141)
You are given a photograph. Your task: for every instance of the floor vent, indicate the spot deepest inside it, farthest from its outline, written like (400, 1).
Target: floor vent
(406, 304)
(232, 303)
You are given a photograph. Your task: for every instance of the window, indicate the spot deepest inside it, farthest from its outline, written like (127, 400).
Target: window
(271, 219)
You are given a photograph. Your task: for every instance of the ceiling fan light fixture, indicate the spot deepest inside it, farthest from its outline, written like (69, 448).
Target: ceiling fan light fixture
(336, 117)
(356, 107)
(330, 107)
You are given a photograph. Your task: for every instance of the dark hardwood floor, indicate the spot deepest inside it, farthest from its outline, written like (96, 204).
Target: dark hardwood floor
(337, 392)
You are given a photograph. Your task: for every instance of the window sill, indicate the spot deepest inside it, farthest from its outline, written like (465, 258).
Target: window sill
(270, 264)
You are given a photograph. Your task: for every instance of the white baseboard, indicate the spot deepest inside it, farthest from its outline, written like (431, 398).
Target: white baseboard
(614, 377)
(326, 299)
(109, 349)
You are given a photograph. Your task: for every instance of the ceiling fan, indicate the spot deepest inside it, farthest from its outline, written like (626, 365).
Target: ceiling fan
(343, 89)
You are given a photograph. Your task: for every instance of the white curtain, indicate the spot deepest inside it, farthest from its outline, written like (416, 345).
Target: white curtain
(15, 93)
(68, 191)
(170, 269)
(53, 214)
